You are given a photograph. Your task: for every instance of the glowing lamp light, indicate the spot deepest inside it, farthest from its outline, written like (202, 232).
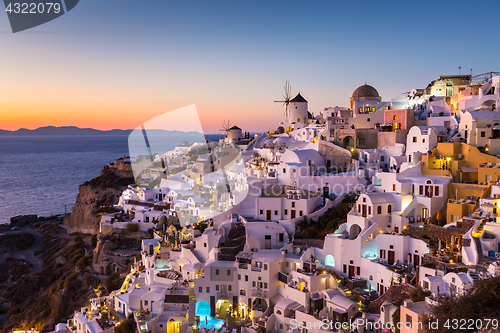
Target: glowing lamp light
(448, 158)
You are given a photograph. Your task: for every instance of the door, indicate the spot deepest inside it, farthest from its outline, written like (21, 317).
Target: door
(293, 213)
(425, 213)
(267, 241)
(268, 215)
(351, 271)
(364, 211)
(416, 260)
(390, 259)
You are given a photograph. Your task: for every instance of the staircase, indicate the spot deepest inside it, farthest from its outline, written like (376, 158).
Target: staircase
(484, 261)
(192, 307)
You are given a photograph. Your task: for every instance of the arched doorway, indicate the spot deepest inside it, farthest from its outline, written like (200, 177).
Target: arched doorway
(224, 308)
(329, 260)
(354, 231)
(348, 141)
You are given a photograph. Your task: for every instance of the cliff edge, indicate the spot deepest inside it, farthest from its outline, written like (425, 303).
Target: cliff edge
(97, 193)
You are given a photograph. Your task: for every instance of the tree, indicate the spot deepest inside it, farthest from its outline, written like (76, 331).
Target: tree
(418, 294)
(93, 242)
(480, 302)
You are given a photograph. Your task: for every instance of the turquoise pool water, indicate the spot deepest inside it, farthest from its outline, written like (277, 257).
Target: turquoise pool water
(203, 311)
(216, 323)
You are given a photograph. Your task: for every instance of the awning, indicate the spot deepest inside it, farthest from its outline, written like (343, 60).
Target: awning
(468, 169)
(472, 187)
(275, 299)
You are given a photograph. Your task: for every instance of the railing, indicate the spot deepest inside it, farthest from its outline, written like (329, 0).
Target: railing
(259, 293)
(222, 295)
(243, 266)
(256, 269)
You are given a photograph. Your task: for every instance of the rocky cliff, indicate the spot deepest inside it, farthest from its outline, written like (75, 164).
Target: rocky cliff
(93, 195)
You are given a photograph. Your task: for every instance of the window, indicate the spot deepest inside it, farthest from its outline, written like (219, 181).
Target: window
(409, 319)
(453, 280)
(394, 187)
(371, 277)
(239, 276)
(284, 170)
(281, 237)
(300, 213)
(379, 210)
(421, 189)
(265, 267)
(287, 264)
(414, 139)
(293, 204)
(382, 158)
(358, 270)
(389, 209)
(483, 134)
(265, 285)
(426, 285)
(369, 210)
(229, 288)
(382, 254)
(246, 277)
(146, 302)
(275, 212)
(286, 211)
(205, 244)
(216, 272)
(228, 272)
(391, 247)
(217, 287)
(437, 191)
(360, 109)
(200, 289)
(254, 283)
(208, 289)
(367, 109)
(368, 119)
(345, 268)
(395, 117)
(294, 170)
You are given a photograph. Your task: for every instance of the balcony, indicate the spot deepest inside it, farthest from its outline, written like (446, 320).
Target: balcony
(243, 265)
(256, 269)
(222, 295)
(259, 293)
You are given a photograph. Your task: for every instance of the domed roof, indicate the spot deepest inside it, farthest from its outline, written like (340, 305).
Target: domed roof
(299, 99)
(365, 91)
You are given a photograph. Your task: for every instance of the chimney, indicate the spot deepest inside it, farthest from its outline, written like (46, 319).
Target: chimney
(408, 303)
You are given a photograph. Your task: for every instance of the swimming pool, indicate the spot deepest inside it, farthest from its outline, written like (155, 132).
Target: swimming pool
(203, 311)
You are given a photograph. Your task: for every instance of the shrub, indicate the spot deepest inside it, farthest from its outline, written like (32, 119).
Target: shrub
(132, 227)
(418, 294)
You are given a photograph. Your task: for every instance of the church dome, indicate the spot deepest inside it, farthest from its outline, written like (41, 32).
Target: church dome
(365, 91)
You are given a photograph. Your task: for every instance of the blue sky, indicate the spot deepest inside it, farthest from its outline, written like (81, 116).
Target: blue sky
(137, 59)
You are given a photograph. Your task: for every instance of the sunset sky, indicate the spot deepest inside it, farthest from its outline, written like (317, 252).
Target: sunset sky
(118, 63)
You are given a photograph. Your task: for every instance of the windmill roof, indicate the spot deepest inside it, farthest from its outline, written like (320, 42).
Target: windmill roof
(298, 99)
(235, 128)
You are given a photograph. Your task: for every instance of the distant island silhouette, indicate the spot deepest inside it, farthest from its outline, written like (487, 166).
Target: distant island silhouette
(73, 130)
